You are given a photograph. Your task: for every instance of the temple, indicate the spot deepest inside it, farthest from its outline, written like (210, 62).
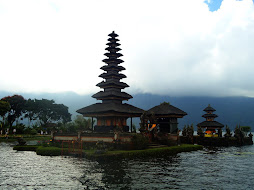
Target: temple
(112, 113)
(212, 128)
(166, 117)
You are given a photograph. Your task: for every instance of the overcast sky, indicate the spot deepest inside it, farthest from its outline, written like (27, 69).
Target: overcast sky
(170, 47)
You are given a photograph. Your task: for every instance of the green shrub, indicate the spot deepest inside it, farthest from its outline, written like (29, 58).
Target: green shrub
(245, 128)
(51, 151)
(25, 148)
(140, 141)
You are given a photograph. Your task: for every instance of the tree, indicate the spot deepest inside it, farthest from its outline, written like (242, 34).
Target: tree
(31, 109)
(245, 129)
(17, 105)
(81, 123)
(4, 109)
(47, 111)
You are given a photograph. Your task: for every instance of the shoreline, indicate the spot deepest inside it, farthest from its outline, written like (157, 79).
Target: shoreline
(13, 138)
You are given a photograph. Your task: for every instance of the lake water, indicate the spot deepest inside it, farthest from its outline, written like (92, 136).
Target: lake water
(222, 168)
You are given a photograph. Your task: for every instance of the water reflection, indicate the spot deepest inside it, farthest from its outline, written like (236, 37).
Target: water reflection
(222, 168)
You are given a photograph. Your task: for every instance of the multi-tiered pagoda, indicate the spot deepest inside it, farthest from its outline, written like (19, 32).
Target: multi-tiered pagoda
(211, 127)
(111, 114)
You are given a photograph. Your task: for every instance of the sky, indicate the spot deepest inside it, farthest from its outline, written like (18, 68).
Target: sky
(170, 47)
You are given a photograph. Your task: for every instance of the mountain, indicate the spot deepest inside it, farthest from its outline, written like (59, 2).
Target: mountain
(231, 110)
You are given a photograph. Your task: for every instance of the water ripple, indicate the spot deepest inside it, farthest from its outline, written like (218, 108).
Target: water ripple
(224, 168)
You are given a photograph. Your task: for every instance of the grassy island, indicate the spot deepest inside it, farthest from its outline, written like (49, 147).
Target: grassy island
(93, 154)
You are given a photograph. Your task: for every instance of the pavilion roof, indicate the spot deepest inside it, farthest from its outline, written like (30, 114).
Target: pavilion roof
(165, 109)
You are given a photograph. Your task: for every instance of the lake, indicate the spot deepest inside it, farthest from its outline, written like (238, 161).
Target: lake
(220, 168)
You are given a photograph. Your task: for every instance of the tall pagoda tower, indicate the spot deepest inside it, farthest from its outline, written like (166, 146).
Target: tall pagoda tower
(210, 124)
(111, 83)
(112, 113)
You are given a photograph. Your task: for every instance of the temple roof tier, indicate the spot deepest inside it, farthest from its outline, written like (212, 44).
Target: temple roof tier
(110, 108)
(113, 34)
(113, 55)
(210, 115)
(210, 124)
(112, 83)
(113, 49)
(113, 61)
(113, 40)
(112, 67)
(209, 108)
(112, 74)
(112, 94)
(113, 44)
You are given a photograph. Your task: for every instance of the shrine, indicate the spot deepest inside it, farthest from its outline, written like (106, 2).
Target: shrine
(212, 128)
(166, 117)
(112, 113)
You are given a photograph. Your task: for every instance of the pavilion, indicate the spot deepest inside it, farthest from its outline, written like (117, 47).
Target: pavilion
(166, 116)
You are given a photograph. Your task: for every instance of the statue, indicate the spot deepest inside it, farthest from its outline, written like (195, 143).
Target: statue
(144, 122)
(184, 132)
(219, 133)
(190, 130)
(153, 119)
(239, 135)
(228, 133)
(21, 141)
(200, 132)
(237, 132)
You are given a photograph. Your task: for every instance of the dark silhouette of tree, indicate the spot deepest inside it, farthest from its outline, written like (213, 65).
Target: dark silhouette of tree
(31, 108)
(47, 111)
(4, 109)
(82, 124)
(17, 105)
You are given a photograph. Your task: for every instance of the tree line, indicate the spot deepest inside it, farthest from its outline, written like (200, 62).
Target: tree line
(41, 115)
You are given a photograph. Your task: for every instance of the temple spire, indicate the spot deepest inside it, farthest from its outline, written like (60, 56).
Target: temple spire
(111, 84)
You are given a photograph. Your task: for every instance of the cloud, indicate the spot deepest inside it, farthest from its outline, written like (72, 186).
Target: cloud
(170, 47)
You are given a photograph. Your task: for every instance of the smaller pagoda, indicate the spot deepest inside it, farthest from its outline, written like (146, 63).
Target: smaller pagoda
(212, 128)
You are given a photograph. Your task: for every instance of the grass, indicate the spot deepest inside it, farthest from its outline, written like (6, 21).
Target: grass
(154, 152)
(51, 151)
(13, 138)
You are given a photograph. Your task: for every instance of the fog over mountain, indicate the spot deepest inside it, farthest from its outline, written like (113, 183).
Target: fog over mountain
(231, 110)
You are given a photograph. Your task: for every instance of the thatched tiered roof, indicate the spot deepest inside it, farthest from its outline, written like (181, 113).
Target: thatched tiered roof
(210, 116)
(166, 110)
(112, 95)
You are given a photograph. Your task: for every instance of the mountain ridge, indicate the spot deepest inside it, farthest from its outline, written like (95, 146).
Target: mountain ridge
(231, 110)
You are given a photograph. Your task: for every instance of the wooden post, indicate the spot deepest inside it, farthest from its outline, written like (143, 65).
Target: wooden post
(131, 124)
(92, 124)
